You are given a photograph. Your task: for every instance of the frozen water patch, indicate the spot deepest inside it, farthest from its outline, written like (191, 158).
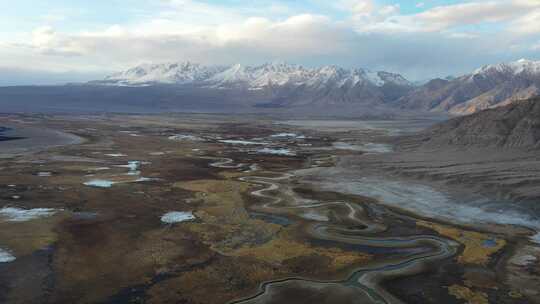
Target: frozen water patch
(146, 179)
(13, 214)
(281, 151)
(225, 163)
(185, 137)
(6, 257)
(524, 260)
(116, 155)
(177, 217)
(104, 183)
(133, 167)
(390, 127)
(131, 133)
(428, 202)
(242, 142)
(252, 168)
(315, 216)
(100, 169)
(100, 183)
(536, 238)
(288, 135)
(368, 147)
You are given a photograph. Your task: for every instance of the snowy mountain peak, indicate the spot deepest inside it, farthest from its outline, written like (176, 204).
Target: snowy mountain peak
(268, 75)
(168, 73)
(510, 68)
(524, 65)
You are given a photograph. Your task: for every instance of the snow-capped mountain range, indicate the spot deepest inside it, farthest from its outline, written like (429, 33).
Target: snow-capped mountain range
(287, 85)
(251, 77)
(487, 87)
(521, 66)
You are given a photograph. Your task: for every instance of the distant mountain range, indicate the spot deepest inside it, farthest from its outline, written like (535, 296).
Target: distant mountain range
(282, 84)
(288, 85)
(273, 87)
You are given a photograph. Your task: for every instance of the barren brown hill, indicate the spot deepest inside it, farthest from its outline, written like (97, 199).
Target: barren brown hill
(513, 126)
(488, 87)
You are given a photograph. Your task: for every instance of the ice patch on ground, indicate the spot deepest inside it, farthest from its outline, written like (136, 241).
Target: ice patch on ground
(100, 169)
(186, 137)
(536, 238)
(368, 147)
(13, 214)
(524, 260)
(133, 167)
(146, 179)
(281, 151)
(288, 135)
(177, 217)
(6, 257)
(100, 183)
(242, 142)
(116, 155)
(315, 216)
(252, 168)
(426, 201)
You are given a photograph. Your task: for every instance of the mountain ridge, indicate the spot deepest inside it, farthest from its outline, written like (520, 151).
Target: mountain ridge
(256, 77)
(487, 87)
(278, 84)
(289, 85)
(515, 125)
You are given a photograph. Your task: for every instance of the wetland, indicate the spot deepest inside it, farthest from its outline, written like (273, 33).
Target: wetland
(246, 209)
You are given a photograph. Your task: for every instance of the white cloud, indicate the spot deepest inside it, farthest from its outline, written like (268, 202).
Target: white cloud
(369, 36)
(523, 14)
(46, 40)
(528, 23)
(357, 7)
(389, 10)
(444, 17)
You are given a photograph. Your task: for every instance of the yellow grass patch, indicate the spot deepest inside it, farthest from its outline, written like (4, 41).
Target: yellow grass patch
(222, 198)
(464, 293)
(226, 223)
(280, 249)
(26, 237)
(475, 251)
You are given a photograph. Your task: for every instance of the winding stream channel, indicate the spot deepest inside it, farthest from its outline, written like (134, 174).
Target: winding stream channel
(363, 284)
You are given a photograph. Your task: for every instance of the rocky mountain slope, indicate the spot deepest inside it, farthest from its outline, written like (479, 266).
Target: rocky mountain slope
(282, 84)
(513, 126)
(281, 87)
(289, 85)
(487, 87)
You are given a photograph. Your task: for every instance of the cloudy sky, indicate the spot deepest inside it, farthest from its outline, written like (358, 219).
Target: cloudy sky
(54, 41)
